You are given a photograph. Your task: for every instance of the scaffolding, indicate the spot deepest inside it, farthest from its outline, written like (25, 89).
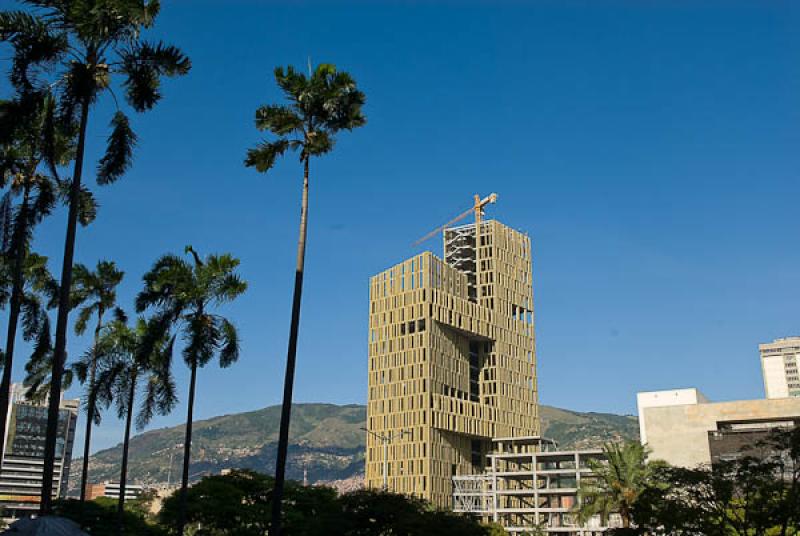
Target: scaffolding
(459, 251)
(531, 485)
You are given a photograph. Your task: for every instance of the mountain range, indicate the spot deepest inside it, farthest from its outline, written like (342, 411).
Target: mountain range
(327, 443)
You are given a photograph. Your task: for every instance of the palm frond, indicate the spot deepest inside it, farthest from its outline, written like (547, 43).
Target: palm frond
(263, 156)
(33, 316)
(280, 120)
(202, 338)
(229, 347)
(119, 150)
(84, 315)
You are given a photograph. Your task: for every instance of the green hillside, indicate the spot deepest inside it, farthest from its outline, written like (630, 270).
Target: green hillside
(326, 440)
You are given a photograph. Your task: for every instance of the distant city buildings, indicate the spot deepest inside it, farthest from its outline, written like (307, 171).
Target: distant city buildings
(683, 428)
(780, 362)
(452, 361)
(23, 458)
(111, 490)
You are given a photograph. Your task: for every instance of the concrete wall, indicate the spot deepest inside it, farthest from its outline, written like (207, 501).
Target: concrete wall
(678, 434)
(671, 397)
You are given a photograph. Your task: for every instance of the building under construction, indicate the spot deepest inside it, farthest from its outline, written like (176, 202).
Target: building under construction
(530, 485)
(452, 361)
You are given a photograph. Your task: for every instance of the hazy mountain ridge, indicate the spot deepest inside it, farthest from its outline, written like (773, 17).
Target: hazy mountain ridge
(327, 440)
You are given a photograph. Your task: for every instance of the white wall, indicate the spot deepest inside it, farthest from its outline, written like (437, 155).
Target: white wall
(775, 384)
(670, 397)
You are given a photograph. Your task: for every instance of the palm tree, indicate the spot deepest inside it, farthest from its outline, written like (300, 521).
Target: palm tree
(615, 484)
(122, 369)
(28, 137)
(181, 296)
(96, 291)
(80, 46)
(320, 105)
(39, 368)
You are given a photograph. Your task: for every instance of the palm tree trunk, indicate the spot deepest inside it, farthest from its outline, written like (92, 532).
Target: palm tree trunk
(123, 475)
(17, 287)
(87, 438)
(90, 407)
(291, 357)
(63, 318)
(187, 453)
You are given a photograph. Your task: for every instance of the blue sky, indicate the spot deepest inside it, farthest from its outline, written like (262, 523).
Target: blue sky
(649, 148)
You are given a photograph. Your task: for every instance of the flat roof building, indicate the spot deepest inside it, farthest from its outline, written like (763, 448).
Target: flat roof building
(683, 428)
(23, 458)
(452, 360)
(780, 362)
(111, 490)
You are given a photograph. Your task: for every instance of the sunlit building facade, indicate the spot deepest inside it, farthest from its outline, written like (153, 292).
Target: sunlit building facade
(452, 360)
(23, 458)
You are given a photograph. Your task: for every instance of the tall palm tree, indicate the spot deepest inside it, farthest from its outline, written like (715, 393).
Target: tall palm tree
(616, 483)
(182, 296)
(320, 105)
(80, 47)
(123, 368)
(29, 136)
(96, 292)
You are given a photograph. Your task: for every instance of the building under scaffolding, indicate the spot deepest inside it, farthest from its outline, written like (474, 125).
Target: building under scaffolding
(530, 485)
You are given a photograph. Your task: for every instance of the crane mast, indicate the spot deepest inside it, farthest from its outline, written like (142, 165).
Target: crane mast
(478, 210)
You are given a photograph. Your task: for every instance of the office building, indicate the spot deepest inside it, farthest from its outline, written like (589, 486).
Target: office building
(683, 428)
(23, 458)
(780, 362)
(452, 361)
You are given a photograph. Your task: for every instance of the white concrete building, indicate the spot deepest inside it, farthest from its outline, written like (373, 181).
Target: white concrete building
(683, 428)
(780, 362)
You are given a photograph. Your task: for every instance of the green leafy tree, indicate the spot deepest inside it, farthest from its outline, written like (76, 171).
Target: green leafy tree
(123, 364)
(99, 517)
(181, 296)
(96, 292)
(616, 484)
(753, 495)
(319, 106)
(80, 47)
(239, 503)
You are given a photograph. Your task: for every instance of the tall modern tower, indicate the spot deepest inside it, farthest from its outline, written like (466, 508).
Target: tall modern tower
(23, 459)
(452, 360)
(780, 361)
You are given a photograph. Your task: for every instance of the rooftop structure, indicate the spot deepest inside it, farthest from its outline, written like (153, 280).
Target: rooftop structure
(451, 360)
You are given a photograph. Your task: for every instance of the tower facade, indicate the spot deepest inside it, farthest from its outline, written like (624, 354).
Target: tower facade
(452, 362)
(780, 363)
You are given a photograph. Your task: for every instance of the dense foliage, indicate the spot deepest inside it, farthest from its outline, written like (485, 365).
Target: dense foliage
(239, 503)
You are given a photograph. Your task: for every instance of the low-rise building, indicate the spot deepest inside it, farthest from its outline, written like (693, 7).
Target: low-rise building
(111, 490)
(683, 428)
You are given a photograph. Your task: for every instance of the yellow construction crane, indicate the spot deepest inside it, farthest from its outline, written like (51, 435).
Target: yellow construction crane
(476, 209)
